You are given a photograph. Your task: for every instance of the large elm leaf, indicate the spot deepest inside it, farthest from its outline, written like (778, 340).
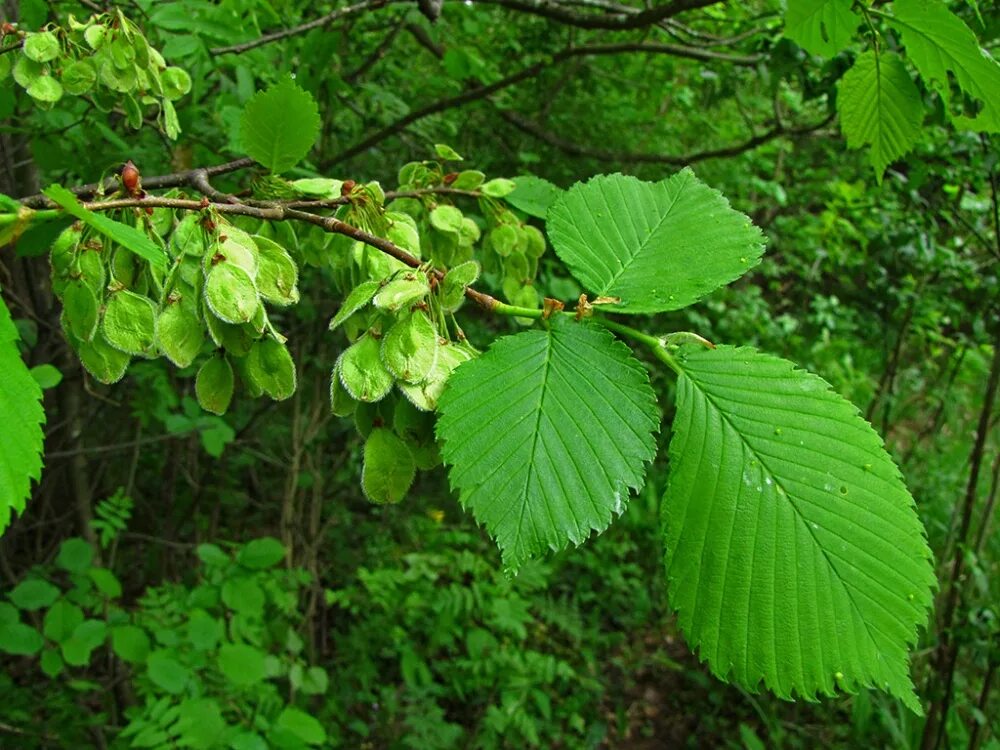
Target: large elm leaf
(546, 433)
(279, 126)
(821, 27)
(945, 51)
(656, 246)
(794, 553)
(880, 106)
(23, 417)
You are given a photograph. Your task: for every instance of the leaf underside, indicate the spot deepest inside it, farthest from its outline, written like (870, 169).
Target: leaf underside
(794, 553)
(546, 433)
(656, 246)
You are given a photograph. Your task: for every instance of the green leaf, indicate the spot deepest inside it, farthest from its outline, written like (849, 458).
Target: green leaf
(130, 643)
(446, 218)
(879, 106)
(939, 43)
(47, 376)
(45, 89)
(410, 348)
(446, 152)
(81, 310)
(19, 639)
(260, 554)
(61, 620)
(271, 368)
(123, 234)
(102, 360)
(129, 322)
(358, 298)
(241, 665)
(546, 433)
(214, 385)
(533, 195)
(656, 246)
(231, 294)
(277, 275)
(88, 635)
(179, 333)
(166, 672)
(388, 467)
(79, 77)
(498, 188)
(204, 631)
(201, 724)
(33, 594)
(23, 417)
(176, 82)
(41, 47)
(794, 552)
(75, 555)
(361, 370)
(821, 27)
(106, 582)
(302, 726)
(279, 126)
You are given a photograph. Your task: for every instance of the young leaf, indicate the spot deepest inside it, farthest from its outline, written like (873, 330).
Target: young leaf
(821, 27)
(657, 246)
(794, 552)
(23, 417)
(880, 106)
(360, 296)
(231, 294)
(939, 43)
(388, 467)
(277, 275)
(129, 322)
(279, 125)
(271, 367)
(123, 234)
(546, 433)
(361, 370)
(214, 385)
(533, 195)
(410, 348)
(179, 334)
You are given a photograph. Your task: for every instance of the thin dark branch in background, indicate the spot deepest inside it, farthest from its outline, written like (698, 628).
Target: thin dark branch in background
(621, 21)
(377, 54)
(572, 147)
(946, 652)
(316, 23)
(482, 92)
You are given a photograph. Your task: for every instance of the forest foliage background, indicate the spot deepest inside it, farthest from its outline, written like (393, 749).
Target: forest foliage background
(395, 625)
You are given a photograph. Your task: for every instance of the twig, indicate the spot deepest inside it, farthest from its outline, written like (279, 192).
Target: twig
(177, 179)
(572, 147)
(482, 92)
(615, 20)
(316, 23)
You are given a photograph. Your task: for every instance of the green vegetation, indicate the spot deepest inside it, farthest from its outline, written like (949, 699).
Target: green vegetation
(499, 374)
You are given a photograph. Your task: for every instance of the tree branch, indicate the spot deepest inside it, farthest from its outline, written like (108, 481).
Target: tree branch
(316, 23)
(572, 147)
(277, 211)
(620, 20)
(189, 178)
(482, 92)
